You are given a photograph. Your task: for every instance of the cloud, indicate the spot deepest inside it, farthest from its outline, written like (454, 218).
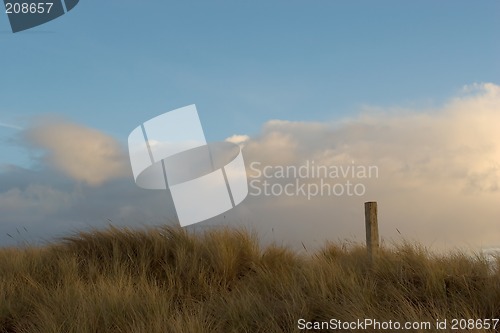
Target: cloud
(86, 155)
(82, 179)
(439, 172)
(438, 178)
(38, 205)
(43, 199)
(238, 139)
(459, 142)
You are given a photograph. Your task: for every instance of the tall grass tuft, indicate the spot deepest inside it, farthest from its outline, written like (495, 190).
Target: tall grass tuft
(169, 280)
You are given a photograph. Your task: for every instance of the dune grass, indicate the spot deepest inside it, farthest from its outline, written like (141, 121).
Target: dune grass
(168, 280)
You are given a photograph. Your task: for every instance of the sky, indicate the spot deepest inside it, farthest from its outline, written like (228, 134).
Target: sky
(412, 88)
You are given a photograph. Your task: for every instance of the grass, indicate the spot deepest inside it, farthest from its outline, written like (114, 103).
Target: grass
(168, 280)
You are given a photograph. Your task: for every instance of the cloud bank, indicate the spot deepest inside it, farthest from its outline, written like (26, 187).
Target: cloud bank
(438, 177)
(439, 171)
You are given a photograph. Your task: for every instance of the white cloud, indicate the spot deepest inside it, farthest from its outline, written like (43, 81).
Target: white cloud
(439, 171)
(85, 154)
(238, 139)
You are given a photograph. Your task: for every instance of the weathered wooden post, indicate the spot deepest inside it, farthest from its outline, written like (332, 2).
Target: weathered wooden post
(371, 223)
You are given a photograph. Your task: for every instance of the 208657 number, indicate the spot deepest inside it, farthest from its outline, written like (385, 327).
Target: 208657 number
(474, 324)
(28, 8)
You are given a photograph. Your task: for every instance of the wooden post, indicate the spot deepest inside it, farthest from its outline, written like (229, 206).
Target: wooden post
(371, 223)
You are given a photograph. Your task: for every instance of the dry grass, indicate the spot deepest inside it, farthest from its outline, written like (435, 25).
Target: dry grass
(167, 280)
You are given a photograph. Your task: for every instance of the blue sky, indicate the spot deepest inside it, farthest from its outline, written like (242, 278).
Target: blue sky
(111, 65)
